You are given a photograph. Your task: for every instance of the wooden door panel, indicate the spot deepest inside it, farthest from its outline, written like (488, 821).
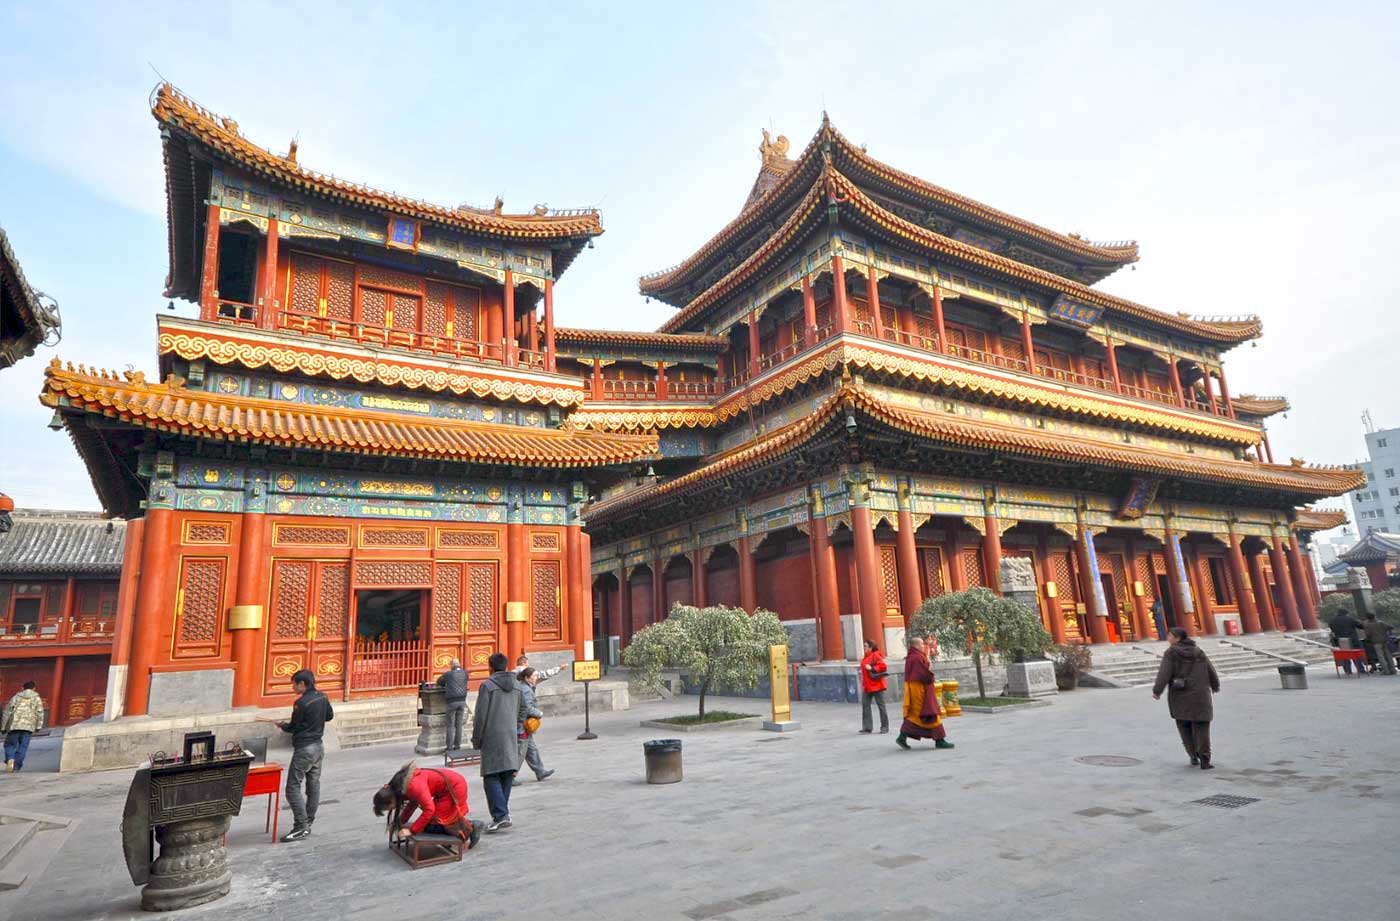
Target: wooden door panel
(199, 607)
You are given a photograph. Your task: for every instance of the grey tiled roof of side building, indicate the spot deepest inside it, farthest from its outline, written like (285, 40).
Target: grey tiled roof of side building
(49, 542)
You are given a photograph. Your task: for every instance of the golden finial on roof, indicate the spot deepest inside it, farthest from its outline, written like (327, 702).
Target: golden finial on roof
(540, 210)
(500, 203)
(292, 151)
(773, 151)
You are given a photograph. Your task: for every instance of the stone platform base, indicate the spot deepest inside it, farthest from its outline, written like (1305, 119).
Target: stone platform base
(784, 726)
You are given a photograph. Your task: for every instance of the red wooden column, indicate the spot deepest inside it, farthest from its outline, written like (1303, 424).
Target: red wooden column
(209, 282)
(873, 289)
(549, 362)
(1239, 581)
(1264, 440)
(267, 309)
(1176, 382)
(1178, 583)
(1268, 619)
(748, 589)
(872, 626)
(122, 627)
(585, 551)
(828, 600)
(1225, 394)
(515, 587)
(532, 330)
(624, 608)
(957, 576)
(1302, 589)
(906, 556)
(809, 314)
(938, 320)
(842, 307)
(596, 379)
(508, 328)
(576, 571)
(753, 345)
(991, 552)
(154, 603)
(658, 590)
(1279, 561)
(1198, 592)
(662, 385)
(1052, 605)
(1141, 616)
(1027, 342)
(697, 577)
(1210, 392)
(248, 591)
(55, 692)
(1113, 364)
(1088, 574)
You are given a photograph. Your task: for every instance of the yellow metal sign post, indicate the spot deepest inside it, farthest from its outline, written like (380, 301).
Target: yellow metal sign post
(778, 683)
(587, 672)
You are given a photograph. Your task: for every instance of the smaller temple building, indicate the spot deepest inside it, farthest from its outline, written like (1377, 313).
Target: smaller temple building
(59, 575)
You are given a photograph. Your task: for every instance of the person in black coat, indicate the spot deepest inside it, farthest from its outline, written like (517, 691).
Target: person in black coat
(1190, 681)
(1346, 627)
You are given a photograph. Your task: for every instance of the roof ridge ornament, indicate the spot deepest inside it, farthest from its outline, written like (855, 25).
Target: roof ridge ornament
(773, 151)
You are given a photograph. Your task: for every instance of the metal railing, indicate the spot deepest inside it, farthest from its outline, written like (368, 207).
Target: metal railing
(388, 665)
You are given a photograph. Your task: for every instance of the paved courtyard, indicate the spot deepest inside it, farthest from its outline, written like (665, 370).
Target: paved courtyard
(826, 823)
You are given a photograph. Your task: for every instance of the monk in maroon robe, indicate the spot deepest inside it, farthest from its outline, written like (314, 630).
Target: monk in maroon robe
(921, 717)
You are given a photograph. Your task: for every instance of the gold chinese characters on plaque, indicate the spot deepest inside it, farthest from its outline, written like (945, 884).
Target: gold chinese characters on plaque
(587, 670)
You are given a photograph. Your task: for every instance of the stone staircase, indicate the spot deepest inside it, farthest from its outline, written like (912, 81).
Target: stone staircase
(1135, 664)
(28, 843)
(395, 720)
(1311, 647)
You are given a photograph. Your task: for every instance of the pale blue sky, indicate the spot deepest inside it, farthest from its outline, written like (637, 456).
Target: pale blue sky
(1253, 152)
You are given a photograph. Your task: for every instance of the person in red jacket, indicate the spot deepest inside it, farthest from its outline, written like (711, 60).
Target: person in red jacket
(872, 687)
(438, 795)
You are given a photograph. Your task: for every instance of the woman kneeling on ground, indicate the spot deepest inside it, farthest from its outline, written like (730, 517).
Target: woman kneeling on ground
(439, 795)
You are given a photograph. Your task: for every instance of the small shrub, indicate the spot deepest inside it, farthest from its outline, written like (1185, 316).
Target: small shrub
(1071, 660)
(981, 622)
(1336, 604)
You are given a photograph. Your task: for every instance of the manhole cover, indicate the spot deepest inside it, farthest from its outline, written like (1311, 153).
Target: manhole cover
(1108, 760)
(1226, 801)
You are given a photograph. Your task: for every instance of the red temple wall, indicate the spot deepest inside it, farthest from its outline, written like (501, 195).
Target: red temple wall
(306, 578)
(785, 586)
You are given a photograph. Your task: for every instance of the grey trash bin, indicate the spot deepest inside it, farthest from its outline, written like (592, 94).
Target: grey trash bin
(1293, 677)
(663, 757)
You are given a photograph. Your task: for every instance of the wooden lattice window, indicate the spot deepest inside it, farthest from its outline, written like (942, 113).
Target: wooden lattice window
(323, 287)
(1147, 578)
(1065, 583)
(447, 598)
(481, 597)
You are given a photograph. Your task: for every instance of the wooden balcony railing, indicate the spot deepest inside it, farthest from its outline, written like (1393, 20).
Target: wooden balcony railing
(368, 333)
(54, 632)
(988, 358)
(629, 390)
(692, 391)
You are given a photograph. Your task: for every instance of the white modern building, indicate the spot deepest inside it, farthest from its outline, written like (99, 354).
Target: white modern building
(1376, 506)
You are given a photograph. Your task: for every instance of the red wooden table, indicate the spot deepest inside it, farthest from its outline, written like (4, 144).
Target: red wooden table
(266, 780)
(1354, 655)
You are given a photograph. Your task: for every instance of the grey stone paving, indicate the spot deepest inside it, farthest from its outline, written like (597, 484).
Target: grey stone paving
(826, 823)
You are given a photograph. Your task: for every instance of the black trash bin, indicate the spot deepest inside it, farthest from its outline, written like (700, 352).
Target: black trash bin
(1293, 677)
(663, 757)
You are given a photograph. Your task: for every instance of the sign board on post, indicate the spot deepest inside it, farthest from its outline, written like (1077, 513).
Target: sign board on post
(587, 671)
(778, 683)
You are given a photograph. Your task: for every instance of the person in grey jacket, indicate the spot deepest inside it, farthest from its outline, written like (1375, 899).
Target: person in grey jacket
(500, 710)
(454, 682)
(529, 677)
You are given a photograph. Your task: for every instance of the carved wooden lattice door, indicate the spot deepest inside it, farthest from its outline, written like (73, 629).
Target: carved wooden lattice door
(1067, 589)
(481, 620)
(449, 629)
(934, 578)
(1111, 564)
(546, 589)
(199, 607)
(889, 581)
(324, 287)
(307, 623)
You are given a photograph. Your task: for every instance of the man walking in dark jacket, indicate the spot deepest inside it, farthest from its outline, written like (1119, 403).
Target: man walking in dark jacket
(454, 682)
(500, 711)
(310, 714)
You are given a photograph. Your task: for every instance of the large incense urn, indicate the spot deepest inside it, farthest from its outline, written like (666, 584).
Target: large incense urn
(184, 805)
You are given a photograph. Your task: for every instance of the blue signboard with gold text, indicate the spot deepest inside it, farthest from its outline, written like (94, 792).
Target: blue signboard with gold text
(1069, 310)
